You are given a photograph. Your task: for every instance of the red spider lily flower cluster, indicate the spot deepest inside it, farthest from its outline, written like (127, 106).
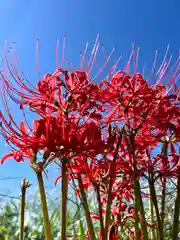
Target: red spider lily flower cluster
(82, 120)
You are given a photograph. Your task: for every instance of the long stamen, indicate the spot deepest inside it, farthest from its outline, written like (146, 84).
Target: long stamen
(57, 53)
(104, 65)
(94, 58)
(22, 73)
(162, 64)
(37, 59)
(127, 67)
(92, 53)
(63, 50)
(83, 56)
(153, 66)
(136, 61)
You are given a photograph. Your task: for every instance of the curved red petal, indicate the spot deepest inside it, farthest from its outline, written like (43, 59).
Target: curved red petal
(57, 179)
(9, 155)
(23, 128)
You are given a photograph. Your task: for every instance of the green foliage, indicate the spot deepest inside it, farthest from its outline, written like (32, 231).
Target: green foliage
(9, 216)
(76, 224)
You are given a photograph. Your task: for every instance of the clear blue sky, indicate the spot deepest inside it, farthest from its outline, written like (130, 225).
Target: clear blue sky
(151, 24)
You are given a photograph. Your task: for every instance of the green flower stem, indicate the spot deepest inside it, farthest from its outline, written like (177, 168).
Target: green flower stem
(163, 199)
(153, 234)
(143, 219)
(155, 203)
(136, 206)
(47, 226)
(100, 213)
(109, 195)
(176, 212)
(86, 209)
(24, 185)
(23, 192)
(64, 196)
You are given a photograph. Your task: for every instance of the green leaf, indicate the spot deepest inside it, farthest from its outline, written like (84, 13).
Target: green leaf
(55, 215)
(6, 237)
(81, 231)
(3, 229)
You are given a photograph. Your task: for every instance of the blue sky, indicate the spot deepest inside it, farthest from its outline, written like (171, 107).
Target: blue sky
(151, 24)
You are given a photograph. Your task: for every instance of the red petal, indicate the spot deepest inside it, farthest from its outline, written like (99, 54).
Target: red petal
(23, 128)
(95, 216)
(9, 155)
(76, 169)
(77, 192)
(57, 179)
(96, 116)
(112, 114)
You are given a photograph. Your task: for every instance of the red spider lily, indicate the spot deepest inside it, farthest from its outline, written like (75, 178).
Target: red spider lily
(61, 128)
(61, 90)
(75, 115)
(17, 137)
(90, 168)
(27, 144)
(51, 92)
(72, 91)
(126, 100)
(54, 134)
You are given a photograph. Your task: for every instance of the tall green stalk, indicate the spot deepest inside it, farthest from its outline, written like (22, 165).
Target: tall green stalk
(109, 193)
(153, 232)
(163, 193)
(155, 203)
(176, 211)
(163, 202)
(143, 218)
(86, 209)
(64, 196)
(47, 225)
(100, 213)
(136, 207)
(24, 185)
